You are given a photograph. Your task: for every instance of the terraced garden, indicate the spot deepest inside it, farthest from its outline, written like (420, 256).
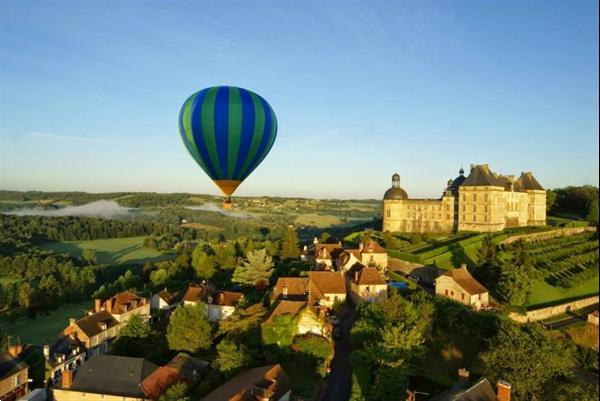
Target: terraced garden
(568, 267)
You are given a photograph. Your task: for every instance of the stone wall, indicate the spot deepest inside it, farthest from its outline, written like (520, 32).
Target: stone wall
(545, 313)
(548, 234)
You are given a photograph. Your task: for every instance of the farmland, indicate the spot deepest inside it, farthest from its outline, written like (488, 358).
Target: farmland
(112, 251)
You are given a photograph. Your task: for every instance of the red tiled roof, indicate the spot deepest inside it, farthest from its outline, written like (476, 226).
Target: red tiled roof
(266, 382)
(328, 282)
(285, 307)
(158, 381)
(371, 246)
(227, 298)
(296, 286)
(366, 276)
(123, 302)
(196, 292)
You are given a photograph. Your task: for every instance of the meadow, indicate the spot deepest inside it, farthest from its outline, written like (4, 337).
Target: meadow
(44, 328)
(112, 251)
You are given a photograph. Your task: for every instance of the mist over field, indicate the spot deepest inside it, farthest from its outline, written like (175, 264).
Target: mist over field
(106, 209)
(213, 207)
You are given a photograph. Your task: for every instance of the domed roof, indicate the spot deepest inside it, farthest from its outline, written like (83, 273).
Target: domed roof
(395, 193)
(396, 177)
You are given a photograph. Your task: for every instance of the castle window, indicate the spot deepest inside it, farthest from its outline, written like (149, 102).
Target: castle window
(463, 217)
(474, 218)
(389, 213)
(485, 218)
(485, 198)
(474, 197)
(464, 208)
(474, 208)
(485, 208)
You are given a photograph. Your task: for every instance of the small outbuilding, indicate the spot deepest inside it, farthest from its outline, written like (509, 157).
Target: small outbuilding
(459, 285)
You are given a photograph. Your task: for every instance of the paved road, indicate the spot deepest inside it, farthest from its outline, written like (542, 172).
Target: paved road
(340, 378)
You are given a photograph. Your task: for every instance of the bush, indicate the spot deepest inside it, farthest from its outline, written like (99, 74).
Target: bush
(314, 345)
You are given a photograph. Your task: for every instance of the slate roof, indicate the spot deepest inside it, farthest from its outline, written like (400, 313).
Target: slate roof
(395, 193)
(190, 369)
(480, 391)
(463, 278)
(481, 175)
(158, 381)
(91, 325)
(65, 345)
(528, 182)
(10, 365)
(265, 382)
(114, 375)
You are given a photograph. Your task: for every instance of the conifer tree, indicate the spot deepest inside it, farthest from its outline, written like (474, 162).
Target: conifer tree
(290, 248)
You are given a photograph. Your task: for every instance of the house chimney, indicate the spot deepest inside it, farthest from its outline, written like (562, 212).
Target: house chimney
(67, 378)
(463, 266)
(316, 240)
(503, 390)
(97, 304)
(71, 321)
(46, 351)
(463, 377)
(15, 350)
(108, 305)
(284, 292)
(221, 298)
(356, 276)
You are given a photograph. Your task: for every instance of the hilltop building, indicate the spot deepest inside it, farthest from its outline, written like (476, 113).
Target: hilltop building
(482, 201)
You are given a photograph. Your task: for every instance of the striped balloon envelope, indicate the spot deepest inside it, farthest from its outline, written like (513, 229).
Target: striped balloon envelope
(228, 131)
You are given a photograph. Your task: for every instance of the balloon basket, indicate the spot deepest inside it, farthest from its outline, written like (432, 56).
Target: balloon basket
(227, 204)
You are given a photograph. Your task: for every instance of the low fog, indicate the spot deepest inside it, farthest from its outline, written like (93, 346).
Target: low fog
(103, 208)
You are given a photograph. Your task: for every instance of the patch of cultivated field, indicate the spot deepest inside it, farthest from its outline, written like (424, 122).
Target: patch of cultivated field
(111, 251)
(317, 220)
(44, 328)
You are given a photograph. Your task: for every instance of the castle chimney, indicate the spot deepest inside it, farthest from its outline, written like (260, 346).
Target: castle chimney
(97, 305)
(46, 351)
(463, 377)
(503, 390)
(67, 378)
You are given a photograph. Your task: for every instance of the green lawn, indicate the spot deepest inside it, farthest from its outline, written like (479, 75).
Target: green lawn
(111, 251)
(543, 293)
(44, 328)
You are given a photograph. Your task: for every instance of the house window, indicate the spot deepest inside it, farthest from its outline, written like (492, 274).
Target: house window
(446, 292)
(370, 258)
(389, 213)
(452, 293)
(17, 381)
(480, 297)
(462, 297)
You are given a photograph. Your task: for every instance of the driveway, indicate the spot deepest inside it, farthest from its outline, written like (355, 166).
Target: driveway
(340, 378)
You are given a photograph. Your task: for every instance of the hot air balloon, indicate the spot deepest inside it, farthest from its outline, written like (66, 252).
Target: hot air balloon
(228, 131)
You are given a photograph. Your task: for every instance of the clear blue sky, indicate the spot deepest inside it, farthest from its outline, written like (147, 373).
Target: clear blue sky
(90, 93)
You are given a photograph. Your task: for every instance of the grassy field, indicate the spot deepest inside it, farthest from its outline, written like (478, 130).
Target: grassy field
(111, 251)
(44, 328)
(317, 220)
(543, 293)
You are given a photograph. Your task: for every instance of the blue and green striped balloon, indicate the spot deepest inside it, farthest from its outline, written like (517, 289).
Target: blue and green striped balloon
(228, 131)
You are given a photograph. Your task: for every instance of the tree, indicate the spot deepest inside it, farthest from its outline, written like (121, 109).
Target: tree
(189, 329)
(528, 357)
(231, 356)
(255, 270)
(177, 392)
(25, 295)
(592, 212)
(203, 263)
(290, 248)
(132, 337)
(515, 280)
(89, 255)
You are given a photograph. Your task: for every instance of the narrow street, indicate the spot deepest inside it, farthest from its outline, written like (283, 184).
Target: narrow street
(340, 378)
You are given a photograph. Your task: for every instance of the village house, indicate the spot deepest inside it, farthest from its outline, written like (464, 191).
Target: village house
(66, 353)
(107, 378)
(310, 299)
(14, 374)
(482, 390)
(124, 305)
(95, 331)
(459, 285)
(165, 300)
(219, 305)
(369, 253)
(366, 284)
(265, 383)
